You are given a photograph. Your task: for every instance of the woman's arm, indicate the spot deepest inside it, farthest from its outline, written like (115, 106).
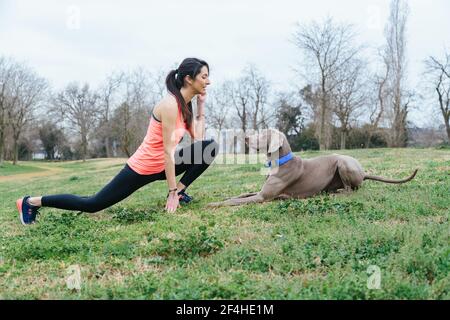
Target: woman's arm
(168, 119)
(198, 128)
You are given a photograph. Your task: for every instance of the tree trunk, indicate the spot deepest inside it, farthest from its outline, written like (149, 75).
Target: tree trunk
(445, 113)
(127, 152)
(244, 130)
(15, 152)
(323, 112)
(84, 147)
(322, 144)
(343, 138)
(369, 137)
(399, 129)
(108, 147)
(255, 121)
(447, 126)
(51, 153)
(2, 145)
(246, 147)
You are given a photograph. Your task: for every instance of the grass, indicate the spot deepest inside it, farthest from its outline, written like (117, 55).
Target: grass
(8, 169)
(319, 248)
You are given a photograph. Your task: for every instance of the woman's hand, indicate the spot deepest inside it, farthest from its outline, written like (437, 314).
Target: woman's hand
(201, 98)
(172, 202)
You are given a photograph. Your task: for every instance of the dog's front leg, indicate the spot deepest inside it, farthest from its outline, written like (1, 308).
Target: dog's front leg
(244, 195)
(257, 198)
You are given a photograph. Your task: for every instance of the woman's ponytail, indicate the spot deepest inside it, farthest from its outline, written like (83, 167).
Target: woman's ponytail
(174, 83)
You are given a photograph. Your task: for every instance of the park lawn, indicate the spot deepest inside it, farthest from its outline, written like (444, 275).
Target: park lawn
(319, 248)
(8, 168)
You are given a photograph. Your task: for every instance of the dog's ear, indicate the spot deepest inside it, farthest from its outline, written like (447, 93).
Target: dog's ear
(276, 141)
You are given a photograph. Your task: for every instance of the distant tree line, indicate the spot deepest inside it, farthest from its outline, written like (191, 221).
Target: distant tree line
(346, 100)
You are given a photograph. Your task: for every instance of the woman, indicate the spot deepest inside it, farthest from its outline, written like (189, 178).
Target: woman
(155, 159)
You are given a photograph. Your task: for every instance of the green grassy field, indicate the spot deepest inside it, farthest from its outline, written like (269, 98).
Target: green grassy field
(320, 248)
(7, 169)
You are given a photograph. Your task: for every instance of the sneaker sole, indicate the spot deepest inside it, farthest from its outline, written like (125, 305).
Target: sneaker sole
(19, 207)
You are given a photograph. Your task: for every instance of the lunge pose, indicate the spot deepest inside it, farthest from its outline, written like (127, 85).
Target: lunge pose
(156, 158)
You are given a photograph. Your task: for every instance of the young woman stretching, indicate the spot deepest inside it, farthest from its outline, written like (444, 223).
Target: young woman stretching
(155, 159)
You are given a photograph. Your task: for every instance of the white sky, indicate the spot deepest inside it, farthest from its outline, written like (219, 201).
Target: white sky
(108, 35)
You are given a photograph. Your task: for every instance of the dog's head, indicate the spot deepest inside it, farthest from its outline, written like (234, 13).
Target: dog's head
(267, 141)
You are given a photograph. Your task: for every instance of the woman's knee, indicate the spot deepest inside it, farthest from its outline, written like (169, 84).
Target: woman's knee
(210, 150)
(198, 153)
(93, 204)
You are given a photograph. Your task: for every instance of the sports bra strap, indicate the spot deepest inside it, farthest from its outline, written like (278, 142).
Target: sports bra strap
(154, 117)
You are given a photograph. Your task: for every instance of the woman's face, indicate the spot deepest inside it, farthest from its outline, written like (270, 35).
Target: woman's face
(201, 81)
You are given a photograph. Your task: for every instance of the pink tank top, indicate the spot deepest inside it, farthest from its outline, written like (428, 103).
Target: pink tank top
(149, 157)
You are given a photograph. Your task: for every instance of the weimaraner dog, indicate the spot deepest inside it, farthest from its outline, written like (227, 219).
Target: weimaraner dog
(293, 177)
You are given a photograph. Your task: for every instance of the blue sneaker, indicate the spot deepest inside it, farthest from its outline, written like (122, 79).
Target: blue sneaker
(184, 197)
(27, 212)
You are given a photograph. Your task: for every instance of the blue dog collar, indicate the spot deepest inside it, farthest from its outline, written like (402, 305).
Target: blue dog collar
(281, 161)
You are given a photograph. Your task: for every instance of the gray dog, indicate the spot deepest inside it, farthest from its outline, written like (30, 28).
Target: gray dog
(293, 177)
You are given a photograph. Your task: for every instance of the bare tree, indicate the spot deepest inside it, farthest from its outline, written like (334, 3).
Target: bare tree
(139, 88)
(248, 96)
(348, 96)
(6, 71)
(311, 96)
(79, 106)
(136, 101)
(258, 90)
(52, 138)
(140, 95)
(26, 95)
(123, 128)
(327, 47)
(218, 107)
(289, 115)
(159, 86)
(378, 98)
(395, 55)
(108, 93)
(438, 73)
(240, 98)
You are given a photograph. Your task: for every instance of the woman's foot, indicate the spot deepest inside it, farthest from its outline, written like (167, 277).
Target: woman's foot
(27, 212)
(184, 197)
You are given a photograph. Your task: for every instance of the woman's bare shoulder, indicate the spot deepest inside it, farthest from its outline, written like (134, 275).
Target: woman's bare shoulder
(168, 106)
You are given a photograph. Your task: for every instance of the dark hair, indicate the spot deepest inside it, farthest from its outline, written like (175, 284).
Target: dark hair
(175, 80)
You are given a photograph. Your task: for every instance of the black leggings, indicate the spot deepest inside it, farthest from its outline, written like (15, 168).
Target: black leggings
(192, 160)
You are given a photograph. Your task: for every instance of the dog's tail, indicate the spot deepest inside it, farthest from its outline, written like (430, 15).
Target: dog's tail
(377, 178)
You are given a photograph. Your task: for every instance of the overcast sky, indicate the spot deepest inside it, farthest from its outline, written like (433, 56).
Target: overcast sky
(85, 40)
